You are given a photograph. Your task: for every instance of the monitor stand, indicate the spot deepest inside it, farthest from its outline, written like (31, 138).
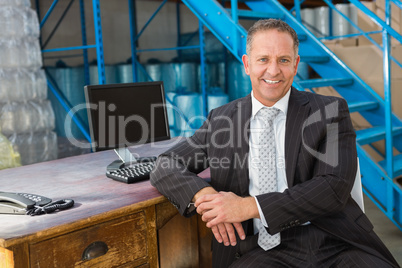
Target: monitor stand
(126, 158)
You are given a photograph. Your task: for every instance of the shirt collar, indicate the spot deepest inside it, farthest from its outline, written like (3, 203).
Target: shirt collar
(281, 104)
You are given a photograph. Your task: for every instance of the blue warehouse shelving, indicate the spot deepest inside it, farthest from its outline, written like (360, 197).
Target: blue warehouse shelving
(98, 45)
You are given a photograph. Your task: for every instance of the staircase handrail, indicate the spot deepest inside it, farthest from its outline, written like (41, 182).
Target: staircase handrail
(232, 46)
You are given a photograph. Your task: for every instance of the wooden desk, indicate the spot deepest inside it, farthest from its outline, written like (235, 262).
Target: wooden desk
(124, 217)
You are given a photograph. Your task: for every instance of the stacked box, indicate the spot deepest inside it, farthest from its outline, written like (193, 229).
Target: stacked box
(26, 116)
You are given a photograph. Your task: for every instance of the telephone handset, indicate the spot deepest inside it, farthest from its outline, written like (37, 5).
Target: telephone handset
(19, 203)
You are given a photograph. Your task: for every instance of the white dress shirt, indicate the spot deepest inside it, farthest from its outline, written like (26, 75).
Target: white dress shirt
(255, 129)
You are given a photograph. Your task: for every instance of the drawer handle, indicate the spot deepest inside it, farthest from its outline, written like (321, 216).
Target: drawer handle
(94, 250)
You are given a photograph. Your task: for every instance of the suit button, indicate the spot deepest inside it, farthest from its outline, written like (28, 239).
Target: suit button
(237, 255)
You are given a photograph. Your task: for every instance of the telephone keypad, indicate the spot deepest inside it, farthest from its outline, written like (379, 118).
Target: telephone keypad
(39, 200)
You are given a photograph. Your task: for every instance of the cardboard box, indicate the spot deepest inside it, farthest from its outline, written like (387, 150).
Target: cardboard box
(367, 61)
(367, 25)
(346, 42)
(396, 12)
(396, 93)
(396, 24)
(395, 18)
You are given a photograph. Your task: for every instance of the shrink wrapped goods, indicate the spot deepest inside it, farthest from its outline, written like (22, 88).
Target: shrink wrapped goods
(26, 116)
(26, 3)
(8, 156)
(18, 21)
(189, 106)
(35, 146)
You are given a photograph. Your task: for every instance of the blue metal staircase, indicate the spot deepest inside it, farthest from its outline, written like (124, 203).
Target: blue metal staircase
(380, 179)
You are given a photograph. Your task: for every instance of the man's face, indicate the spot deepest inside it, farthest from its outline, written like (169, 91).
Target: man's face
(271, 65)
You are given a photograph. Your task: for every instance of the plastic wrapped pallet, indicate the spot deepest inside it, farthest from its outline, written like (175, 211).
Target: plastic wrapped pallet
(29, 116)
(8, 157)
(188, 116)
(124, 73)
(175, 75)
(22, 85)
(239, 84)
(216, 98)
(353, 11)
(35, 146)
(26, 116)
(71, 82)
(18, 21)
(20, 52)
(110, 74)
(308, 18)
(340, 24)
(215, 75)
(321, 21)
(26, 3)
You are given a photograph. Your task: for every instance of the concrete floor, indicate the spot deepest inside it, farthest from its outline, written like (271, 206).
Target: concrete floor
(385, 229)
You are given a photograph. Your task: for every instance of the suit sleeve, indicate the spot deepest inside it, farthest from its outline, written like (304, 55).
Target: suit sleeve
(175, 174)
(328, 163)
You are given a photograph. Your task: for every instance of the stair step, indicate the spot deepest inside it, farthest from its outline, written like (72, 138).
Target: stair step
(397, 165)
(369, 135)
(315, 59)
(324, 82)
(359, 106)
(250, 14)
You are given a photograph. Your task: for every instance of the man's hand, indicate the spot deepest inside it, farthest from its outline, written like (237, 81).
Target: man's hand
(223, 232)
(226, 207)
(210, 204)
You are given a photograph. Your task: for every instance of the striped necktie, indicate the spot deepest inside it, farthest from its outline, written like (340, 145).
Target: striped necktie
(267, 170)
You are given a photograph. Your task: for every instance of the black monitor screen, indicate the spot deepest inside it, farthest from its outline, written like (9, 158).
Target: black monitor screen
(122, 115)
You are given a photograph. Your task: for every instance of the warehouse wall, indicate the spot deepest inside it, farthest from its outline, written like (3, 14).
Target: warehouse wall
(161, 32)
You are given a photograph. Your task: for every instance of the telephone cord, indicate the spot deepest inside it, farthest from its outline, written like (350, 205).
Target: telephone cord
(51, 207)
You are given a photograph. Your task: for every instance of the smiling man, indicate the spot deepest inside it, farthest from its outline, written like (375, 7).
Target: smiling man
(272, 64)
(280, 197)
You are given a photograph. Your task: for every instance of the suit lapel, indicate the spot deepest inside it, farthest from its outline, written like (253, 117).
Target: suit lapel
(298, 111)
(241, 126)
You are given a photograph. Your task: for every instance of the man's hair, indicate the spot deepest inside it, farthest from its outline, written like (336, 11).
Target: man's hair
(269, 24)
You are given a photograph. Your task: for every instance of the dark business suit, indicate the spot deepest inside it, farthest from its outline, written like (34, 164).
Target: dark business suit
(321, 163)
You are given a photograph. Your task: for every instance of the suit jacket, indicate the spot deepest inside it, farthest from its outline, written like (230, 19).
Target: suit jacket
(320, 159)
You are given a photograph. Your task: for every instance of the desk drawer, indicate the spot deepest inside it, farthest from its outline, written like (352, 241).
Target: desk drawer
(114, 243)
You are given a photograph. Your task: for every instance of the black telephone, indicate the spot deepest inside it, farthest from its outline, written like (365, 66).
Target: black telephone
(19, 203)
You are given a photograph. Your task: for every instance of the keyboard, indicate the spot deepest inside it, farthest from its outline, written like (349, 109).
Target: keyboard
(133, 173)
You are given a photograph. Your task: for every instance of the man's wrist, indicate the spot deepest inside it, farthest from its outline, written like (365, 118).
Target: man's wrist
(204, 191)
(250, 206)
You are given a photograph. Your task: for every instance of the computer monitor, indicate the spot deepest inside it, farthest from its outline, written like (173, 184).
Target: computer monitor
(122, 115)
